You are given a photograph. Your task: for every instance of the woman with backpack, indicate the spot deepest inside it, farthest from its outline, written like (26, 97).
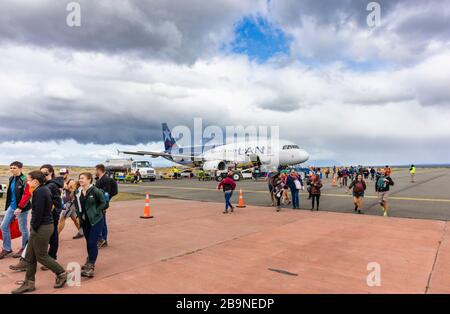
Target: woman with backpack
(358, 186)
(285, 197)
(42, 229)
(315, 187)
(228, 185)
(90, 204)
(278, 190)
(69, 211)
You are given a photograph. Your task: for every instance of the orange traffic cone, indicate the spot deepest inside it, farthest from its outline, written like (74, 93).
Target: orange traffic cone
(334, 181)
(147, 208)
(241, 200)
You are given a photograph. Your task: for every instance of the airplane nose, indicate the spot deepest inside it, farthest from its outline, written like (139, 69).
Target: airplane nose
(303, 155)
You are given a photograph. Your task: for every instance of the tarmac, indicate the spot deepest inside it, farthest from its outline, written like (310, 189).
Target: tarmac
(191, 247)
(427, 198)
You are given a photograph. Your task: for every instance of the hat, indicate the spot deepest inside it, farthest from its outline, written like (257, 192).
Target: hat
(63, 171)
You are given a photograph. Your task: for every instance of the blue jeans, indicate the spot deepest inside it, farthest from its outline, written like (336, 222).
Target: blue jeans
(228, 195)
(91, 234)
(103, 235)
(23, 227)
(295, 198)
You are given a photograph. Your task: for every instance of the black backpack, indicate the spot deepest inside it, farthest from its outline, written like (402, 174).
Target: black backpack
(114, 188)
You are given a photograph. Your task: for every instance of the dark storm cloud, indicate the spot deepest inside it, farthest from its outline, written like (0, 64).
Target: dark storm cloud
(409, 24)
(169, 29)
(184, 31)
(291, 12)
(86, 123)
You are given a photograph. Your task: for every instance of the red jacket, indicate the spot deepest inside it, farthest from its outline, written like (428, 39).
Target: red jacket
(227, 181)
(25, 198)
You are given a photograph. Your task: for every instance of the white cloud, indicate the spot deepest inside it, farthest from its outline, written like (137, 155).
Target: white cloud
(140, 63)
(61, 89)
(323, 109)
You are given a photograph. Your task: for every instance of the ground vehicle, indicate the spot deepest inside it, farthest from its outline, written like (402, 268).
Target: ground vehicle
(247, 174)
(204, 176)
(187, 173)
(238, 174)
(166, 175)
(128, 167)
(3, 190)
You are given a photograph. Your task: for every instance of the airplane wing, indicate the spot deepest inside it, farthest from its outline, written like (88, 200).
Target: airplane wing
(156, 154)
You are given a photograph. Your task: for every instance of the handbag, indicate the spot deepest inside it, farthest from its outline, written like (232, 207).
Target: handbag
(14, 229)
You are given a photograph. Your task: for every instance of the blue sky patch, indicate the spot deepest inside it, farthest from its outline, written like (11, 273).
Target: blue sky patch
(259, 39)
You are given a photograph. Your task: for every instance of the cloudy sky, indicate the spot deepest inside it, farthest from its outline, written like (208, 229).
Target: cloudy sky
(339, 88)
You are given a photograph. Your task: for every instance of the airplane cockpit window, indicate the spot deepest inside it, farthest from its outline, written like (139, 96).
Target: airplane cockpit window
(286, 147)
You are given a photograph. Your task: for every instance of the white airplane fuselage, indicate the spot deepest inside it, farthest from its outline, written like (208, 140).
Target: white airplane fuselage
(285, 153)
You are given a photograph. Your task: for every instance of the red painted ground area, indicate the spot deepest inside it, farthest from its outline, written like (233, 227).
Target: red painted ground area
(191, 247)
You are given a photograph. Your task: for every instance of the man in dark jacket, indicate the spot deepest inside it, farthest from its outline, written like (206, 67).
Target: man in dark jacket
(382, 186)
(55, 185)
(110, 189)
(17, 204)
(290, 182)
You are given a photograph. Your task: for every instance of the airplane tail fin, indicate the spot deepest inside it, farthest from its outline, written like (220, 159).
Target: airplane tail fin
(169, 141)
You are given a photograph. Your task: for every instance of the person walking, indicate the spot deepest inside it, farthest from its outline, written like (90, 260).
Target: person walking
(372, 173)
(271, 184)
(228, 185)
(316, 186)
(69, 211)
(382, 187)
(110, 189)
(42, 228)
(285, 198)
(359, 186)
(17, 205)
(388, 171)
(345, 177)
(137, 177)
(278, 190)
(311, 176)
(90, 204)
(68, 207)
(339, 176)
(295, 183)
(55, 185)
(412, 173)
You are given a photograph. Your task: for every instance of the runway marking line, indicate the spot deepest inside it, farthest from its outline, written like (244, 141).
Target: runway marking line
(324, 194)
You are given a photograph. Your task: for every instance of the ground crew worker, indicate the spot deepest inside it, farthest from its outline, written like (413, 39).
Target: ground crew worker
(412, 172)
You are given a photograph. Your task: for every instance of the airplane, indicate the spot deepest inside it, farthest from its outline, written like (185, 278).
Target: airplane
(221, 157)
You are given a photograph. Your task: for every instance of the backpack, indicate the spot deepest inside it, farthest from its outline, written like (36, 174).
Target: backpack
(227, 187)
(114, 188)
(381, 184)
(359, 187)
